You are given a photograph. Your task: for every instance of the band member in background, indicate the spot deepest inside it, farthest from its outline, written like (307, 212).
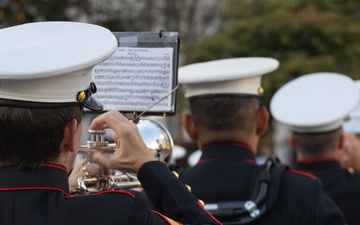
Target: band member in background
(314, 107)
(227, 119)
(45, 81)
(350, 158)
(351, 126)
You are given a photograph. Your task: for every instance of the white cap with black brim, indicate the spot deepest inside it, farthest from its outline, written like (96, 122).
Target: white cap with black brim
(230, 77)
(315, 103)
(49, 64)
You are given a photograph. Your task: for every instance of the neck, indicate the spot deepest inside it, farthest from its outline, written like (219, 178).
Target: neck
(251, 142)
(328, 155)
(66, 159)
(61, 163)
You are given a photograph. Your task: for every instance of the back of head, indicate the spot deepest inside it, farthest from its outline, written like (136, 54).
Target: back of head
(32, 136)
(45, 80)
(352, 123)
(314, 106)
(316, 145)
(225, 94)
(225, 113)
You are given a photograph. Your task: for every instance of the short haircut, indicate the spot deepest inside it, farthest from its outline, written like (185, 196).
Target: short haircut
(316, 144)
(224, 113)
(30, 137)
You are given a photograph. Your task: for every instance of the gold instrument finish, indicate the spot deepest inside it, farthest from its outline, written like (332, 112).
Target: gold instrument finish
(154, 134)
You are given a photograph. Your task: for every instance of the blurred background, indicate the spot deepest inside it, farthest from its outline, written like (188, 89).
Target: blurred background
(306, 36)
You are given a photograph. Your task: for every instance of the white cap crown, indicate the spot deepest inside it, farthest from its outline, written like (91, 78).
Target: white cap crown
(226, 76)
(315, 103)
(51, 62)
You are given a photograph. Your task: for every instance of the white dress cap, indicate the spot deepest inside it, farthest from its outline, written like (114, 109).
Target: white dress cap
(51, 62)
(226, 76)
(352, 125)
(194, 157)
(178, 152)
(315, 103)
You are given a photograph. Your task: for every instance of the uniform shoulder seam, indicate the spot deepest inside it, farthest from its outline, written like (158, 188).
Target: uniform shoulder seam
(301, 173)
(105, 192)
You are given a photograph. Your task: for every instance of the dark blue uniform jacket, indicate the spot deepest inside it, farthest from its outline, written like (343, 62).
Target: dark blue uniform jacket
(41, 197)
(343, 187)
(226, 171)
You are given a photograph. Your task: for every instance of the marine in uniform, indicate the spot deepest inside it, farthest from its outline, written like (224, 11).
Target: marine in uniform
(227, 119)
(314, 107)
(351, 127)
(45, 81)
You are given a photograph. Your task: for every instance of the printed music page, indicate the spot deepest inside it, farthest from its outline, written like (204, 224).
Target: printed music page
(133, 79)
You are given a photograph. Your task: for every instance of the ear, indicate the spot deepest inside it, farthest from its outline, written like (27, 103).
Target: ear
(189, 126)
(262, 120)
(291, 142)
(69, 135)
(341, 140)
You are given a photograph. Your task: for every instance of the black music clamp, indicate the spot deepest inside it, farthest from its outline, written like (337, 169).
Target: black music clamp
(161, 33)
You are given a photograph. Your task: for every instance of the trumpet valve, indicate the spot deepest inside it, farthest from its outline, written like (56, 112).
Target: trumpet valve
(97, 139)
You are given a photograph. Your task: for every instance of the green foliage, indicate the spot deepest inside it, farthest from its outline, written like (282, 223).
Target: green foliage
(305, 36)
(24, 11)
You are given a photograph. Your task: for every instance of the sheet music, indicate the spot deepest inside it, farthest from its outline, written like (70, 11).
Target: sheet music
(135, 78)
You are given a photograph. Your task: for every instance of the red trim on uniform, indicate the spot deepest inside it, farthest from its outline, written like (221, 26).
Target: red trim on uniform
(203, 161)
(250, 161)
(315, 160)
(35, 188)
(212, 217)
(308, 171)
(105, 192)
(302, 173)
(164, 217)
(67, 195)
(46, 165)
(55, 166)
(243, 145)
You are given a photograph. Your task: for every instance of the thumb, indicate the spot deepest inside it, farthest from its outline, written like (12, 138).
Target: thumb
(103, 158)
(93, 168)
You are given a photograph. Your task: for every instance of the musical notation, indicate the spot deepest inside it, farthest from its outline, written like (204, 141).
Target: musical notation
(134, 78)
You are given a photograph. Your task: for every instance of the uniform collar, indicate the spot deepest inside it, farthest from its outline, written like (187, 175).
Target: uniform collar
(318, 164)
(48, 175)
(227, 150)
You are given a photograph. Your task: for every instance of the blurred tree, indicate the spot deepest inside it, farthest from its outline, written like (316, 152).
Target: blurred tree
(186, 17)
(305, 36)
(22, 11)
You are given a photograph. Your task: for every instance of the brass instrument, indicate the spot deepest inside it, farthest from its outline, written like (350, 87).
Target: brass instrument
(156, 137)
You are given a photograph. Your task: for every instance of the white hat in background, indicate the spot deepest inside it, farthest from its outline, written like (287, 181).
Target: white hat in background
(194, 157)
(226, 76)
(49, 64)
(352, 124)
(178, 152)
(315, 103)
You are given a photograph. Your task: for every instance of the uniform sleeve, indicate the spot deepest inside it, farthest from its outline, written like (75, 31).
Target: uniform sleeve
(143, 215)
(327, 212)
(170, 197)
